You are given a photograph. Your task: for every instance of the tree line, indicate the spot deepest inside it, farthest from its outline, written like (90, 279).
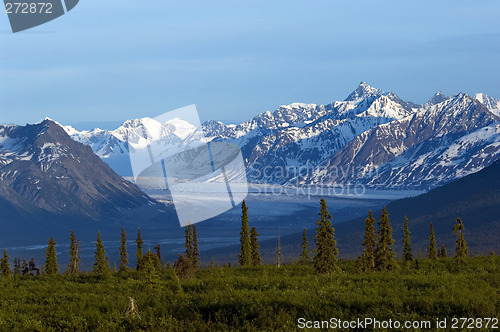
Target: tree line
(378, 252)
(148, 262)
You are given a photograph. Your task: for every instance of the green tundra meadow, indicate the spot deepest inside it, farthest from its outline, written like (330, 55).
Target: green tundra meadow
(262, 298)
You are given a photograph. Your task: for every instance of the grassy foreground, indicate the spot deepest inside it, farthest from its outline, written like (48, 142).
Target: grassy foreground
(263, 298)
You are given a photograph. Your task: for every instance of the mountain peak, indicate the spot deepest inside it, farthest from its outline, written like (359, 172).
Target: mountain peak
(438, 97)
(491, 103)
(44, 120)
(481, 96)
(363, 91)
(47, 121)
(461, 95)
(139, 122)
(485, 99)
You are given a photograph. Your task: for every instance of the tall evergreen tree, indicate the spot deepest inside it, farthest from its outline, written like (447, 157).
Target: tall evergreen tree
(158, 253)
(325, 259)
(17, 266)
(196, 251)
(188, 243)
(367, 262)
(443, 252)
(101, 264)
(25, 268)
(432, 249)
(385, 257)
(4, 264)
(51, 266)
(461, 250)
(304, 255)
(407, 254)
(74, 256)
(279, 256)
(123, 252)
(244, 257)
(32, 266)
(254, 247)
(139, 243)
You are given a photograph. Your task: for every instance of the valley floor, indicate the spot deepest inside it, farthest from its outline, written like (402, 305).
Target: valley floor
(264, 298)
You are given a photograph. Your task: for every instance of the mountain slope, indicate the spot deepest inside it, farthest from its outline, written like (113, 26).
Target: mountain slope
(42, 168)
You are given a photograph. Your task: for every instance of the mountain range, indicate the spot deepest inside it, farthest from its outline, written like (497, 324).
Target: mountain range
(373, 138)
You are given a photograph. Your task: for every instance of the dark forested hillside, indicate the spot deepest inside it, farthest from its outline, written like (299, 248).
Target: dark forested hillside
(474, 198)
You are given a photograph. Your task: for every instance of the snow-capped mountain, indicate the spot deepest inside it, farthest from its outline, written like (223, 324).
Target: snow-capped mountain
(434, 145)
(44, 172)
(405, 144)
(491, 103)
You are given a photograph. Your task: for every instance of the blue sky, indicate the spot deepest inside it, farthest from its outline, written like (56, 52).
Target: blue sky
(115, 60)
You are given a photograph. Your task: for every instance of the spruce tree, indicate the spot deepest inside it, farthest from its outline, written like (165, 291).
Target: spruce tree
(407, 255)
(101, 265)
(367, 260)
(158, 253)
(325, 259)
(17, 266)
(4, 264)
(151, 262)
(196, 251)
(254, 247)
(279, 256)
(244, 257)
(25, 268)
(188, 243)
(74, 256)
(51, 266)
(123, 252)
(304, 255)
(385, 257)
(108, 265)
(183, 267)
(32, 266)
(139, 243)
(443, 251)
(432, 249)
(461, 250)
